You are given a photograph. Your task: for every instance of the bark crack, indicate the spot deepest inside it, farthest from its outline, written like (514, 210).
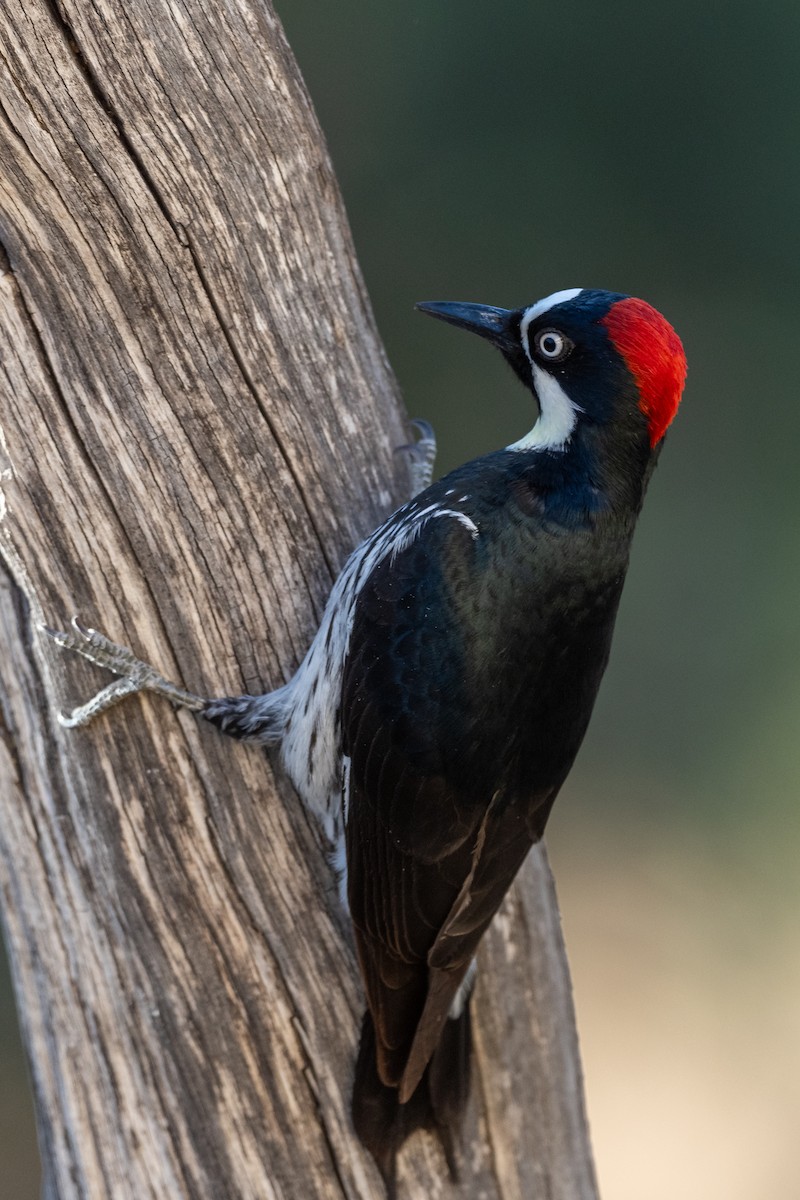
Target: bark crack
(49, 370)
(484, 1095)
(252, 388)
(7, 733)
(102, 98)
(309, 1070)
(104, 101)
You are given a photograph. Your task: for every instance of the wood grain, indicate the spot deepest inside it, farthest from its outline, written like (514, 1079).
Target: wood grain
(197, 424)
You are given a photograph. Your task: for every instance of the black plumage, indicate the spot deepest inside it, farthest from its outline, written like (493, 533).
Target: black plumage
(474, 662)
(473, 667)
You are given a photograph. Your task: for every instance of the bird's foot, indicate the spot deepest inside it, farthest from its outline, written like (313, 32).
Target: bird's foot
(422, 456)
(134, 675)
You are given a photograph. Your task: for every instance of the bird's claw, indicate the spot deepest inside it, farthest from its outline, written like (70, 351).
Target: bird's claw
(95, 646)
(421, 454)
(134, 674)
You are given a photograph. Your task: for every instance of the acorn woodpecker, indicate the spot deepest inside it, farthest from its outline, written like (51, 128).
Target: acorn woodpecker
(448, 689)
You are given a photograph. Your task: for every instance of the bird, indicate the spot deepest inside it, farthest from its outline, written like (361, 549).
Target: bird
(445, 696)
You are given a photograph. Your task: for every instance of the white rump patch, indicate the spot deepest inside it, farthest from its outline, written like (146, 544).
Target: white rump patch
(558, 415)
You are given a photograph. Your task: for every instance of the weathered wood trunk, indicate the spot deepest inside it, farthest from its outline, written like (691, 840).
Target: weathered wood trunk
(198, 424)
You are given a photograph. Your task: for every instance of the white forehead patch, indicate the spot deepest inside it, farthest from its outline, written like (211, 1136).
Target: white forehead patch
(543, 306)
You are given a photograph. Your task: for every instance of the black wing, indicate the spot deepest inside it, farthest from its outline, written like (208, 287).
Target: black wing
(433, 839)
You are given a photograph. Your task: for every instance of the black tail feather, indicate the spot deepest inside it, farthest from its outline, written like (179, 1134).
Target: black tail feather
(383, 1125)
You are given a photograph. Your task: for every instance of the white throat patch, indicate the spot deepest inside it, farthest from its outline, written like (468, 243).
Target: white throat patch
(558, 415)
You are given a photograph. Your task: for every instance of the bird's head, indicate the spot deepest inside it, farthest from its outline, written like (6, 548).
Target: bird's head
(592, 359)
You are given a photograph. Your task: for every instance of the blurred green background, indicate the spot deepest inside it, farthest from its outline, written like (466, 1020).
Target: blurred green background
(499, 152)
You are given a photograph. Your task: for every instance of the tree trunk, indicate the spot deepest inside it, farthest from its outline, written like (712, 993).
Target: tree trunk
(197, 424)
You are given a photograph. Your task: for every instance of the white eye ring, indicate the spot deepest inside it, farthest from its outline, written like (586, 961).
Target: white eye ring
(552, 345)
